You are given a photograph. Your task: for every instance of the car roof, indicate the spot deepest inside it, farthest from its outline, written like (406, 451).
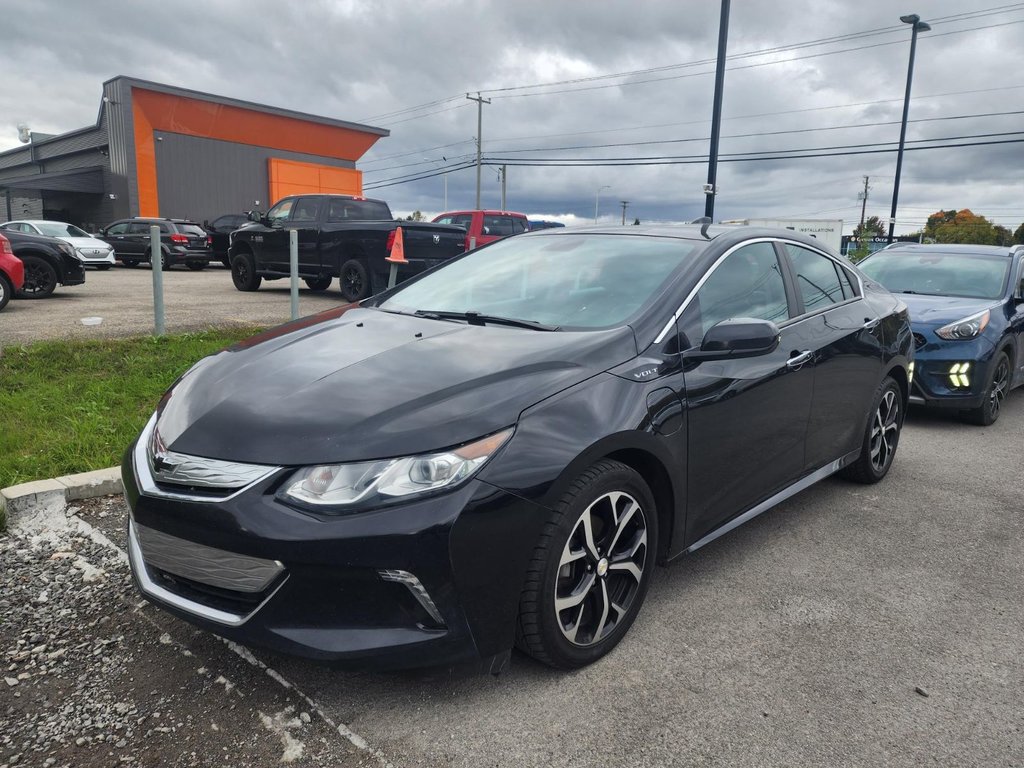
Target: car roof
(961, 249)
(485, 211)
(731, 233)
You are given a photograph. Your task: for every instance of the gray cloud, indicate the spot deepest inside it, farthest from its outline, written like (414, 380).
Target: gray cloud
(355, 60)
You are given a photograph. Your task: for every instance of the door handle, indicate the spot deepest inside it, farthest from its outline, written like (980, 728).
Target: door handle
(798, 360)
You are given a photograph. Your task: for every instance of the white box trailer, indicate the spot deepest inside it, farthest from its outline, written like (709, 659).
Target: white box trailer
(829, 231)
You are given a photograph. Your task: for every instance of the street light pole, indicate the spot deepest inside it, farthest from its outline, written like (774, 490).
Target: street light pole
(916, 25)
(597, 199)
(625, 204)
(716, 113)
(479, 138)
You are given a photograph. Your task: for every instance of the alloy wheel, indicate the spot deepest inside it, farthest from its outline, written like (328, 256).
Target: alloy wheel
(885, 430)
(601, 568)
(353, 283)
(1000, 382)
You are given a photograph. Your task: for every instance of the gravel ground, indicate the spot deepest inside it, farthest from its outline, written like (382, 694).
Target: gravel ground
(93, 677)
(123, 297)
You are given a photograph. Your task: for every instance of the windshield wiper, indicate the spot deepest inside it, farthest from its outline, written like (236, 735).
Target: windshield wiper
(922, 293)
(476, 318)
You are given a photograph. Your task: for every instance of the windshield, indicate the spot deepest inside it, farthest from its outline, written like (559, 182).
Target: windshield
(939, 274)
(56, 229)
(574, 281)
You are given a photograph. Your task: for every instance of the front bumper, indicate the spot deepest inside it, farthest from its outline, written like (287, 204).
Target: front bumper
(93, 256)
(259, 572)
(936, 368)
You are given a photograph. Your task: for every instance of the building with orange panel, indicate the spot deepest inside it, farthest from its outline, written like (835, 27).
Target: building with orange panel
(158, 150)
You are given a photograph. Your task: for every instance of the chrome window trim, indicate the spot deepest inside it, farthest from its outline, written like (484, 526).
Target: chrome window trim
(151, 589)
(147, 484)
(700, 283)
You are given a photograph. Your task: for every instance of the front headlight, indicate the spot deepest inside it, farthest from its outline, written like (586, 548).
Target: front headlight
(344, 488)
(964, 329)
(69, 250)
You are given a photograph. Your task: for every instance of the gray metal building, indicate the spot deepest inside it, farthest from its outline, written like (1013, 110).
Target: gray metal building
(158, 150)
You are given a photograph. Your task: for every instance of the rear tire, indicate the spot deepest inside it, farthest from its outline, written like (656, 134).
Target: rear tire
(318, 283)
(354, 280)
(998, 385)
(196, 266)
(882, 436)
(6, 290)
(40, 278)
(243, 273)
(589, 573)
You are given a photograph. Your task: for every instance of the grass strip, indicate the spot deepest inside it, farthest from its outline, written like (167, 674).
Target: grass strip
(74, 406)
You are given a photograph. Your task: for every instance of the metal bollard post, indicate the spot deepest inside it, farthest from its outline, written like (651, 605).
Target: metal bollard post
(293, 266)
(156, 262)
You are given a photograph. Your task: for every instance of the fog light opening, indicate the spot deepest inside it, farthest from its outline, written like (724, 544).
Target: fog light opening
(958, 375)
(418, 591)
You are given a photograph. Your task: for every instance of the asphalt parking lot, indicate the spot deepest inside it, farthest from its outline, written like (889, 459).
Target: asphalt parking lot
(123, 298)
(852, 625)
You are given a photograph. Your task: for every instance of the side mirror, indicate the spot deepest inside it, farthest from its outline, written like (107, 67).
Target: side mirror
(738, 337)
(254, 216)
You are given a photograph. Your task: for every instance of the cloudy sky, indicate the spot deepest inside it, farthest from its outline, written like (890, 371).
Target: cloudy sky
(586, 97)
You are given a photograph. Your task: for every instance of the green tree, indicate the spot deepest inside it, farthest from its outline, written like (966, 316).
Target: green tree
(872, 227)
(1018, 235)
(415, 216)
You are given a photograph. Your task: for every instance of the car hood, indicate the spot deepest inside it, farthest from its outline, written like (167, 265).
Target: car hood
(940, 310)
(355, 384)
(87, 242)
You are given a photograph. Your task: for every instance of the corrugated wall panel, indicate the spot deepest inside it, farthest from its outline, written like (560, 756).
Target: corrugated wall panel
(203, 178)
(90, 139)
(15, 158)
(117, 117)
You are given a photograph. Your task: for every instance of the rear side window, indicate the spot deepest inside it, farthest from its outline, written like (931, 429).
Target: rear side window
(341, 209)
(818, 278)
(140, 228)
(498, 225)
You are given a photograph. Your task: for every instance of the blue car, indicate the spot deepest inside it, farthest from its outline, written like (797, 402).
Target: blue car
(967, 310)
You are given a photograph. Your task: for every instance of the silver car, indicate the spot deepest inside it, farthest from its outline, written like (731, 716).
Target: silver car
(90, 251)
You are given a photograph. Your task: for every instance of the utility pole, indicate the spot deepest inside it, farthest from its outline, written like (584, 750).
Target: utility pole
(625, 204)
(480, 101)
(864, 204)
(504, 178)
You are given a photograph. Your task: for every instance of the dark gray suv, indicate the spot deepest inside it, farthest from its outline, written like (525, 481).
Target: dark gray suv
(181, 242)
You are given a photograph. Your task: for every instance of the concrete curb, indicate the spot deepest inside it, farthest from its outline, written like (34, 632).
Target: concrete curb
(43, 493)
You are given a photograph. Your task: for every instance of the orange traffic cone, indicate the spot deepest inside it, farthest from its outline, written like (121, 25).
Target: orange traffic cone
(396, 257)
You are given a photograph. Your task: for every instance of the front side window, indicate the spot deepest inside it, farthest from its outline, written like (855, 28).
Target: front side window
(817, 278)
(574, 282)
(306, 209)
(280, 212)
(520, 225)
(118, 229)
(748, 283)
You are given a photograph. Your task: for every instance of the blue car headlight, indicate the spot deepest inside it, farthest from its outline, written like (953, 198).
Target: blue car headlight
(345, 488)
(968, 328)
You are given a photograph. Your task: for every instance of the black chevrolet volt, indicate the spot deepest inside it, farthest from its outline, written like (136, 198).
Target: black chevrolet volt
(498, 452)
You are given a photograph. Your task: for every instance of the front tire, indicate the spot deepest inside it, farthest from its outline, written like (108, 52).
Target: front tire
(882, 436)
(243, 273)
(998, 385)
(40, 278)
(354, 280)
(6, 290)
(590, 571)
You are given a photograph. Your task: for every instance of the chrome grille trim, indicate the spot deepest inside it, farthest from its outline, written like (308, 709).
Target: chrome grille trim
(147, 483)
(151, 589)
(182, 469)
(206, 565)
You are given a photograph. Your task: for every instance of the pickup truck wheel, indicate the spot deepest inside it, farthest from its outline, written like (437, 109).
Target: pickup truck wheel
(355, 282)
(40, 278)
(243, 273)
(196, 266)
(318, 283)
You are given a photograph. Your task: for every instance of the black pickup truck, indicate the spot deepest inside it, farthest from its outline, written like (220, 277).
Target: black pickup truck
(339, 236)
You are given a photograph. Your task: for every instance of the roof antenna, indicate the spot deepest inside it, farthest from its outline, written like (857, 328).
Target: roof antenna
(705, 222)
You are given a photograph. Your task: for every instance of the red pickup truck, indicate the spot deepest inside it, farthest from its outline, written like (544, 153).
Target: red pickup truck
(483, 227)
